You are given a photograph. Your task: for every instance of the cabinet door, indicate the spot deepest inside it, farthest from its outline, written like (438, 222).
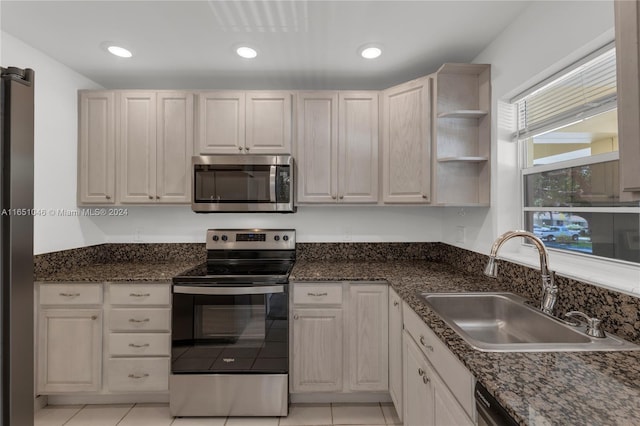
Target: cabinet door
(418, 390)
(406, 143)
(317, 350)
(395, 350)
(368, 337)
(358, 147)
(317, 149)
(447, 410)
(221, 120)
(69, 350)
(174, 147)
(97, 155)
(268, 123)
(137, 146)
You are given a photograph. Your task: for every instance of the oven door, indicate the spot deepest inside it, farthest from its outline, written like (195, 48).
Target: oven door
(224, 329)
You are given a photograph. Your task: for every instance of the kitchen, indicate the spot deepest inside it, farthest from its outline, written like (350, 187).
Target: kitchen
(531, 44)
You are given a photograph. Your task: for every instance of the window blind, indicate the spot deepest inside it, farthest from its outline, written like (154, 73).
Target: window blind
(579, 92)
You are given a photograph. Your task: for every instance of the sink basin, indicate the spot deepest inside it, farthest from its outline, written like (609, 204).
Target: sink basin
(503, 322)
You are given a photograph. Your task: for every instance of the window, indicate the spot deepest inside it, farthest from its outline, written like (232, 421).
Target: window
(568, 133)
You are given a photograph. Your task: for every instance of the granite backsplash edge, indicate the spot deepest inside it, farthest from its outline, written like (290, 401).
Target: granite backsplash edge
(620, 312)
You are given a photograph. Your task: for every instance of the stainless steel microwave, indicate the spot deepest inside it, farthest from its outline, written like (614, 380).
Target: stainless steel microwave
(242, 183)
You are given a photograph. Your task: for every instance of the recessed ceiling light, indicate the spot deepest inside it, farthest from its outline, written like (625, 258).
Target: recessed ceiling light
(119, 51)
(370, 52)
(246, 52)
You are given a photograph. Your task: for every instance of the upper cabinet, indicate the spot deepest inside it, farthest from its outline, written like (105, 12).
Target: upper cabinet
(96, 147)
(155, 147)
(406, 140)
(462, 135)
(230, 122)
(628, 68)
(337, 148)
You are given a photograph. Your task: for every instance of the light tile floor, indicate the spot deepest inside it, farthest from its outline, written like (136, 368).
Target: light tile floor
(158, 415)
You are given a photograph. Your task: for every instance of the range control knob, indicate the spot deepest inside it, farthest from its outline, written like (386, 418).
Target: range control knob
(285, 238)
(277, 238)
(215, 238)
(224, 238)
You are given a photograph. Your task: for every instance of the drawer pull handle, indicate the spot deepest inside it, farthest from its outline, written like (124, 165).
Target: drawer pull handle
(69, 294)
(138, 321)
(318, 294)
(134, 345)
(420, 371)
(94, 317)
(138, 376)
(423, 343)
(139, 294)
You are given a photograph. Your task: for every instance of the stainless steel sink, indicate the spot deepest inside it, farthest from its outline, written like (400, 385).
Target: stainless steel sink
(503, 322)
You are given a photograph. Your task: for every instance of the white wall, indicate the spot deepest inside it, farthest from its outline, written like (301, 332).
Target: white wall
(546, 37)
(312, 224)
(56, 144)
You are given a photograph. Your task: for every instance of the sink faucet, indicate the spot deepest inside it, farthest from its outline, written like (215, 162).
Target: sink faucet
(549, 288)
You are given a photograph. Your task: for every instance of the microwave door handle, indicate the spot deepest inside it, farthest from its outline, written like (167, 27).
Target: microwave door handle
(272, 184)
(228, 291)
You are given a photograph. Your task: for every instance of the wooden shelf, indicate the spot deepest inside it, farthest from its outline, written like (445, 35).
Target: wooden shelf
(464, 113)
(462, 159)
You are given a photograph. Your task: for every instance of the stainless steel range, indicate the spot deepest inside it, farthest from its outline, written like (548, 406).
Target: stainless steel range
(230, 327)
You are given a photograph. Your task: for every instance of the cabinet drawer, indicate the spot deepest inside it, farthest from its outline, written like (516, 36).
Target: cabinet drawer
(139, 344)
(317, 294)
(138, 374)
(71, 294)
(158, 319)
(455, 375)
(139, 294)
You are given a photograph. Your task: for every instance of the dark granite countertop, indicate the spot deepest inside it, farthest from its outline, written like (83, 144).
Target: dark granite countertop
(536, 388)
(126, 272)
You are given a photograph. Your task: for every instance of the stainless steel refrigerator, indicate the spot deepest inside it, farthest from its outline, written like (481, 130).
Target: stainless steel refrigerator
(16, 248)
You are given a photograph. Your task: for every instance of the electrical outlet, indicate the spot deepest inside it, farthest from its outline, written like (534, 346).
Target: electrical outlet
(460, 234)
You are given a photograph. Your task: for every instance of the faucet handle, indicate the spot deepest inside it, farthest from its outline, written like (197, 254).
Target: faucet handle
(594, 325)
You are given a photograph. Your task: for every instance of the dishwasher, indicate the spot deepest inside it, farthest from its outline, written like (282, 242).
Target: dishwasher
(490, 412)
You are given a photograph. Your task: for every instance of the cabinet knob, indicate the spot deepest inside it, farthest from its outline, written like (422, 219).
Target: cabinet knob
(157, 197)
(239, 148)
(342, 197)
(424, 196)
(247, 149)
(420, 371)
(396, 303)
(94, 317)
(425, 379)
(151, 197)
(295, 317)
(108, 197)
(333, 196)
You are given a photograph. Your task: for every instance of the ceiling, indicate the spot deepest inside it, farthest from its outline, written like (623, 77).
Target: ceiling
(301, 44)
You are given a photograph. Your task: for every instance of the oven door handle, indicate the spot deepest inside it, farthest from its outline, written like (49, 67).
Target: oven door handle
(228, 291)
(272, 184)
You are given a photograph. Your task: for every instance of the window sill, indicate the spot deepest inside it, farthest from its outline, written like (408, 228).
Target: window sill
(620, 277)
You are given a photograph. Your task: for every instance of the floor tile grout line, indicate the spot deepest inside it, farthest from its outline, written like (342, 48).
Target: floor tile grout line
(74, 414)
(126, 414)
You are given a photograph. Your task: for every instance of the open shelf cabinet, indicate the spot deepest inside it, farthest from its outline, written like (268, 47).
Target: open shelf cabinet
(462, 135)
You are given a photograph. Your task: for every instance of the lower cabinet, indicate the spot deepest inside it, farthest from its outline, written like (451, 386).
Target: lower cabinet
(73, 322)
(340, 340)
(69, 350)
(437, 388)
(317, 350)
(395, 350)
